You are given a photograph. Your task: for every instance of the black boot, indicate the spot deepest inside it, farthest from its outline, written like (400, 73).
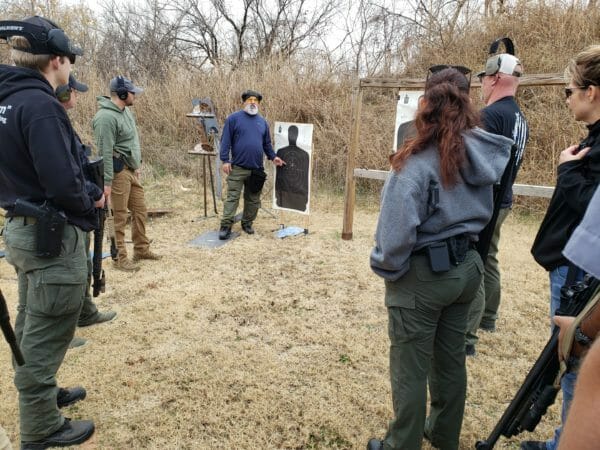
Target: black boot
(247, 227)
(66, 397)
(72, 432)
(224, 233)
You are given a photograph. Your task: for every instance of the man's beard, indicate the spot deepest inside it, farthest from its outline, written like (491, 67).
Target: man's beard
(251, 109)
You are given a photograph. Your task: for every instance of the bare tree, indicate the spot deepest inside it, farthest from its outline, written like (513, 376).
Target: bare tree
(138, 38)
(287, 25)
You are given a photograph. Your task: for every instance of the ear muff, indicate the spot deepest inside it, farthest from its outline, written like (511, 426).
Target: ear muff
(63, 93)
(121, 91)
(508, 46)
(42, 41)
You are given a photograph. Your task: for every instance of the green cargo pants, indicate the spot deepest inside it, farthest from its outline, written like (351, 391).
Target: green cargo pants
(235, 184)
(427, 315)
(484, 309)
(50, 298)
(89, 311)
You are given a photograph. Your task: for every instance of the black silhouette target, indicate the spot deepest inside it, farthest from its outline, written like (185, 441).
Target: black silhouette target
(292, 181)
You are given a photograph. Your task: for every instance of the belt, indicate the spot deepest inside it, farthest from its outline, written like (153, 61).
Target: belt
(27, 220)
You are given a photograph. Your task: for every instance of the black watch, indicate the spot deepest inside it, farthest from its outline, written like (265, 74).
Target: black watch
(581, 338)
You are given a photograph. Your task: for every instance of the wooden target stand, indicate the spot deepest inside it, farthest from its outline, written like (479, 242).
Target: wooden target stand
(205, 150)
(352, 172)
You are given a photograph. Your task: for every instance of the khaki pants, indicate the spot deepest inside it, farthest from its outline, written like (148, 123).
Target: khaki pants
(128, 194)
(427, 315)
(51, 292)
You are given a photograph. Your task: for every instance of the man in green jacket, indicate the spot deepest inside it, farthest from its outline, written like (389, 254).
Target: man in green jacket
(118, 142)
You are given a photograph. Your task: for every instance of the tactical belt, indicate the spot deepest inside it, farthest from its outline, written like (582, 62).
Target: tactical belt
(443, 254)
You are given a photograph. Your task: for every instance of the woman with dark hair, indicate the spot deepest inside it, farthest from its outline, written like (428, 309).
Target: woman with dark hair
(578, 175)
(436, 199)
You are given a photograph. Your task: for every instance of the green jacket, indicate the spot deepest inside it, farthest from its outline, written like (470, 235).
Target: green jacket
(116, 134)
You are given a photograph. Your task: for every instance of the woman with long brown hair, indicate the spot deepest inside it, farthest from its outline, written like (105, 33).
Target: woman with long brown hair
(435, 201)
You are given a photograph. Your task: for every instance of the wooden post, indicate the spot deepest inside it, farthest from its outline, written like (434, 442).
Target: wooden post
(350, 189)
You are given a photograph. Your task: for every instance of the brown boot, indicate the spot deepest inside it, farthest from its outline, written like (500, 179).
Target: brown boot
(126, 265)
(146, 255)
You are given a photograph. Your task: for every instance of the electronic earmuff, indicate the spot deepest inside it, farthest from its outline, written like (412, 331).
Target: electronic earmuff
(41, 40)
(121, 91)
(508, 46)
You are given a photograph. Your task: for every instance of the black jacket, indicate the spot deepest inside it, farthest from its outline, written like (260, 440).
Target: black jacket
(39, 154)
(577, 181)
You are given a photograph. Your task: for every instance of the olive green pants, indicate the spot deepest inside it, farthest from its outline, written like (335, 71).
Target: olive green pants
(89, 311)
(484, 309)
(235, 185)
(427, 315)
(50, 299)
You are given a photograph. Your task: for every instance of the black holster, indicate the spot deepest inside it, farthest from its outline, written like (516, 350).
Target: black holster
(50, 226)
(452, 251)
(255, 182)
(118, 164)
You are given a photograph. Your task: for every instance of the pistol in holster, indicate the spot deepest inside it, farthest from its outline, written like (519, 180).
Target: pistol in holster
(452, 251)
(50, 226)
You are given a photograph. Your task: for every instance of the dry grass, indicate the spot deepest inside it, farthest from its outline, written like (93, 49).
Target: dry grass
(267, 343)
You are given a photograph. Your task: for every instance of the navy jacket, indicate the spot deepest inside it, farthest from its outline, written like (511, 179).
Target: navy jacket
(39, 153)
(246, 137)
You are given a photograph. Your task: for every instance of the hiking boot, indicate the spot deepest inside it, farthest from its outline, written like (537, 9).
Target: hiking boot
(77, 342)
(224, 233)
(470, 350)
(125, 265)
(146, 255)
(247, 227)
(72, 432)
(98, 318)
(375, 444)
(489, 327)
(68, 396)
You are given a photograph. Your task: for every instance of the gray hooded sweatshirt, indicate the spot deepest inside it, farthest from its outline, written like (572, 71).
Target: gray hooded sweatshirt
(410, 219)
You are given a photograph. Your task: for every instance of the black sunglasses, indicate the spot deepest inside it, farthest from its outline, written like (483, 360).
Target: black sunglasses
(438, 67)
(569, 91)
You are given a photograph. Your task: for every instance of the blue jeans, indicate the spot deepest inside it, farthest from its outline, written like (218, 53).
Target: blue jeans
(557, 279)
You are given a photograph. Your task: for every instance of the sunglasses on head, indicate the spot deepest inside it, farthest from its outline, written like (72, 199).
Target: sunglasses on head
(439, 67)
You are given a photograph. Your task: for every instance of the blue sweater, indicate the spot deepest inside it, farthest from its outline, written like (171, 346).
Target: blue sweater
(244, 140)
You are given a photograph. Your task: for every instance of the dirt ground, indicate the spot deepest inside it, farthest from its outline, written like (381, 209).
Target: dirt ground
(270, 343)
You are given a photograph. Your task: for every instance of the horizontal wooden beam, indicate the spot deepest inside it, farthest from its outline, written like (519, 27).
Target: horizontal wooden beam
(535, 79)
(518, 189)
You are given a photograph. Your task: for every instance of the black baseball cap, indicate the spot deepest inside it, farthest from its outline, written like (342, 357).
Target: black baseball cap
(120, 83)
(45, 37)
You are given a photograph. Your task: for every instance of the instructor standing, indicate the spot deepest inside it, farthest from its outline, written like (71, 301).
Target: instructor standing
(118, 142)
(245, 138)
